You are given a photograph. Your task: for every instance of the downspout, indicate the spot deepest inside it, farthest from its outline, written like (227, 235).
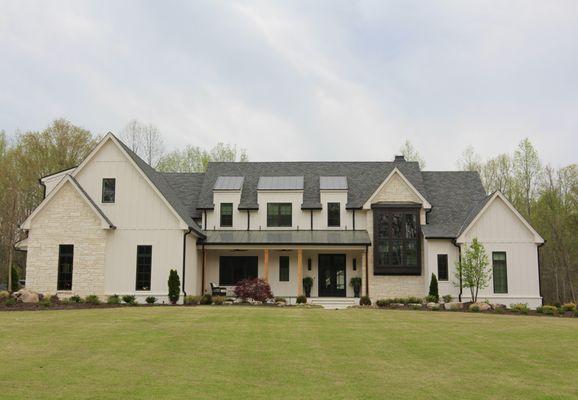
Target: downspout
(311, 213)
(460, 261)
(354, 219)
(248, 220)
(540, 271)
(367, 271)
(185, 257)
(203, 271)
(205, 213)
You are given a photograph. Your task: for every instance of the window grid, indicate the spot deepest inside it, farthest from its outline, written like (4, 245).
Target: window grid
(500, 272)
(284, 269)
(65, 266)
(443, 274)
(143, 267)
(279, 214)
(226, 214)
(108, 190)
(333, 214)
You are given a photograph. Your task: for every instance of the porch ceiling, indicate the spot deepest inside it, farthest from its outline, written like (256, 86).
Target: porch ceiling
(293, 237)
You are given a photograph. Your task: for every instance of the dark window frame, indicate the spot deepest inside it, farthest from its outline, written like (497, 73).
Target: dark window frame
(335, 219)
(233, 269)
(445, 276)
(144, 266)
(284, 268)
(394, 262)
(277, 220)
(108, 193)
(64, 278)
(226, 220)
(503, 263)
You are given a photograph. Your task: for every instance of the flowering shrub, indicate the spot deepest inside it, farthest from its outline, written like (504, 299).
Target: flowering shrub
(256, 289)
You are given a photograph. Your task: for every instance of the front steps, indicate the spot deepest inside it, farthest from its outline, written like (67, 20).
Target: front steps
(334, 303)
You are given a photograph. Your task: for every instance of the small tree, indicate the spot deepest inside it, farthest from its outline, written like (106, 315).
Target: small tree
(433, 289)
(256, 289)
(307, 285)
(174, 286)
(472, 272)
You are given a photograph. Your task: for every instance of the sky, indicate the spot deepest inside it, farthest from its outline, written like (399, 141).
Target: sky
(301, 80)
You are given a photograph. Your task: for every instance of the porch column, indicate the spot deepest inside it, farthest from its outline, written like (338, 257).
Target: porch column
(266, 265)
(299, 272)
(203, 271)
(363, 274)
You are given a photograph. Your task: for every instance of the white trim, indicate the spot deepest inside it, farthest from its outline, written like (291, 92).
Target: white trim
(110, 136)
(425, 203)
(67, 179)
(537, 237)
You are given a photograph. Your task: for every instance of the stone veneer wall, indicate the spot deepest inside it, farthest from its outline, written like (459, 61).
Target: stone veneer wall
(66, 219)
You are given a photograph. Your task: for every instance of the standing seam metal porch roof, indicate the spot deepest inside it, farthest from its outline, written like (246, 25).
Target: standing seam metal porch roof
(288, 237)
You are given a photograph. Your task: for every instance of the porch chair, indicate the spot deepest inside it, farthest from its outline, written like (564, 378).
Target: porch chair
(218, 290)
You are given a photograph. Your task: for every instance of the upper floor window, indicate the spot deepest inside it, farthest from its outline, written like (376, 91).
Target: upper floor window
(108, 190)
(333, 214)
(443, 267)
(279, 214)
(284, 269)
(226, 214)
(65, 262)
(143, 267)
(396, 237)
(500, 272)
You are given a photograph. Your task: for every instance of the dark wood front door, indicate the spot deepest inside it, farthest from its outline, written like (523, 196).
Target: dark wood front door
(332, 275)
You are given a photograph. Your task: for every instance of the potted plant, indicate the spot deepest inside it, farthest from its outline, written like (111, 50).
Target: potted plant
(307, 285)
(355, 282)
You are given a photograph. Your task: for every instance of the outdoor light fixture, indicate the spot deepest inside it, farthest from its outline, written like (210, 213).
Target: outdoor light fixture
(355, 264)
(308, 264)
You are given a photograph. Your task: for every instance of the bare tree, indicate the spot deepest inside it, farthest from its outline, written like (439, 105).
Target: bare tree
(195, 159)
(469, 160)
(411, 154)
(145, 140)
(527, 170)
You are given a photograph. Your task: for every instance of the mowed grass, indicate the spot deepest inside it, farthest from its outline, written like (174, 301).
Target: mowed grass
(271, 353)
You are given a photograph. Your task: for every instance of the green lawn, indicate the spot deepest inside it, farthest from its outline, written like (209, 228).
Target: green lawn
(270, 353)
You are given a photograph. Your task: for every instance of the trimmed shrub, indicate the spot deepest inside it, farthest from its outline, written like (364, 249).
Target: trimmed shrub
(474, 308)
(447, 298)
(576, 313)
(10, 302)
(355, 283)
(114, 299)
(364, 301)
(174, 283)
(54, 299)
(129, 299)
(569, 307)
(540, 310)
(219, 300)
(192, 300)
(433, 289)
(279, 299)
(255, 289)
(301, 299)
(44, 302)
(307, 285)
(414, 300)
(382, 303)
(92, 299)
(75, 299)
(15, 279)
(521, 308)
(151, 300)
(415, 306)
(499, 310)
(206, 299)
(431, 299)
(4, 295)
(549, 310)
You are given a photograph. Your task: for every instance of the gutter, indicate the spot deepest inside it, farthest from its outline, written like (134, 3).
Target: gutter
(540, 270)
(185, 258)
(460, 261)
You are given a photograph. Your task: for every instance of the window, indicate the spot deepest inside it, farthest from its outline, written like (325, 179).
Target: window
(333, 214)
(500, 272)
(143, 267)
(279, 214)
(65, 261)
(226, 214)
(233, 269)
(396, 236)
(108, 190)
(443, 267)
(283, 269)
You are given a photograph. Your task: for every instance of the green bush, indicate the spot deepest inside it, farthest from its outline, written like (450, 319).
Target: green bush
(364, 301)
(415, 306)
(447, 298)
(15, 279)
(540, 310)
(10, 302)
(206, 299)
(431, 299)
(382, 303)
(576, 313)
(414, 300)
(569, 307)
(307, 285)
(192, 300)
(45, 302)
(521, 308)
(174, 286)
(114, 299)
(151, 300)
(549, 310)
(129, 299)
(499, 310)
(54, 299)
(474, 308)
(76, 299)
(4, 295)
(92, 299)
(301, 299)
(434, 294)
(280, 299)
(219, 300)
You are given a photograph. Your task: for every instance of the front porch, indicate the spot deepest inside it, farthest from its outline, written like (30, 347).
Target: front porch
(330, 265)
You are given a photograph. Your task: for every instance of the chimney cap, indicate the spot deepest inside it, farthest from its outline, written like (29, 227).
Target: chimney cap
(399, 159)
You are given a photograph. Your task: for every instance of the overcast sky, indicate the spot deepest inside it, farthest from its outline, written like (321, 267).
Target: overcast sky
(334, 80)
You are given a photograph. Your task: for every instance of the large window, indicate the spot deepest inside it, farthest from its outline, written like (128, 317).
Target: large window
(500, 272)
(143, 267)
(443, 267)
(279, 214)
(333, 214)
(284, 269)
(226, 214)
(65, 262)
(108, 190)
(396, 237)
(233, 269)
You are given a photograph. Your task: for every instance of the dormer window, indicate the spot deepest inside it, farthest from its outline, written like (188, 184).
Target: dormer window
(226, 215)
(108, 190)
(333, 214)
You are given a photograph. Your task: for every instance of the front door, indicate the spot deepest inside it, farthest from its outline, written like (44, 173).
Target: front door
(331, 275)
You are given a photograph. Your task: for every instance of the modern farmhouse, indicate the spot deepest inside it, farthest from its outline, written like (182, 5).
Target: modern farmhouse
(114, 225)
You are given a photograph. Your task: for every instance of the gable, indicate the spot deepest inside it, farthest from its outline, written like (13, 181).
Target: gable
(397, 189)
(499, 222)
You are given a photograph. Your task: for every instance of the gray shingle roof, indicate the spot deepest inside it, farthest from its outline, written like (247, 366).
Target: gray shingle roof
(337, 237)
(187, 187)
(98, 209)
